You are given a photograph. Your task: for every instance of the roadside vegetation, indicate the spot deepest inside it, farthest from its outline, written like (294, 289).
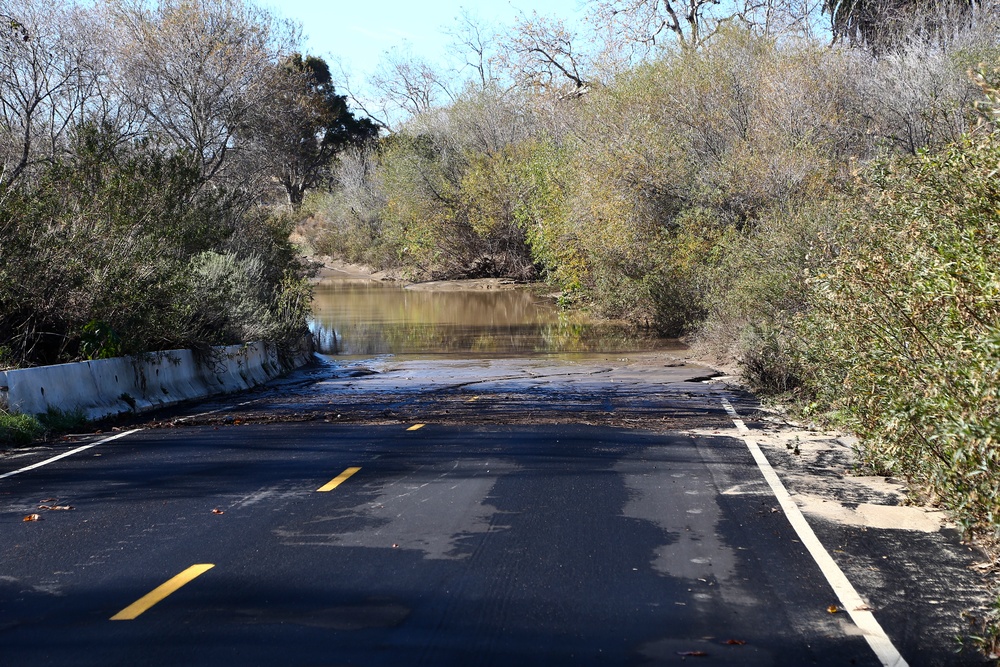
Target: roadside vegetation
(21, 429)
(806, 190)
(902, 337)
(145, 149)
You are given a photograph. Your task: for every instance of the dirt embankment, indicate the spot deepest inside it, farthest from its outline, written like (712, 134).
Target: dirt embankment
(335, 269)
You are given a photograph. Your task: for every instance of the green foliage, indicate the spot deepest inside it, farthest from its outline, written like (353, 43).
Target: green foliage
(99, 341)
(684, 163)
(442, 209)
(759, 288)
(234, 301)
(19, 429)
(545, 171)
(315, 125)
(904, 337)
(95, 254)
(61, 421)
(420, 181)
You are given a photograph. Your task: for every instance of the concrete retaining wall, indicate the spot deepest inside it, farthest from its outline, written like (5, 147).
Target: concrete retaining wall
(106, 387)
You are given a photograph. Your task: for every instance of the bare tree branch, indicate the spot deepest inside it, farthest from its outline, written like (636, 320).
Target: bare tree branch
(44, 81)
(408, 84)
(542, 53)
(476, 41)
(198, 70)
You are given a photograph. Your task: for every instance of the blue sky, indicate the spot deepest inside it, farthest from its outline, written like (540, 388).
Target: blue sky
(358, 31)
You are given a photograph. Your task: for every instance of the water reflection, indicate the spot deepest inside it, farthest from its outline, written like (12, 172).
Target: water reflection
(368, 318)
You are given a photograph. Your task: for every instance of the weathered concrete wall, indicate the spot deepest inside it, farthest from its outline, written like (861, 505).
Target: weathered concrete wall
(106, 387)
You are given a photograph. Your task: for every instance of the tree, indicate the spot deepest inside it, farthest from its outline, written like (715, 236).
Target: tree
(773, 18)
(543, 54)
(646, 24)
(198, 69)
(124, 217)
(476, 41)
(630, 31)
(44, 81)
(407, 83)
(308, 125)
(885, 24)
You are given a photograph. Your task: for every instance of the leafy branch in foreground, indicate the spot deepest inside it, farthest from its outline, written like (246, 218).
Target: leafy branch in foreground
(904, 337)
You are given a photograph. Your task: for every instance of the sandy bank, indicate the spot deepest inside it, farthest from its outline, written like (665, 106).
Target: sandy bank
(335, 269)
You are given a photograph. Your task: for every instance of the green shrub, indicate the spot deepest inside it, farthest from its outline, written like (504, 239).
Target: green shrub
(759, 286)
(19, 429)
(97, 258)
(62, 421)
(904, 337)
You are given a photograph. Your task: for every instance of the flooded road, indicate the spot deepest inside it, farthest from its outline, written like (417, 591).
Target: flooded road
(472, 478)
(366, 317)
(464, 353)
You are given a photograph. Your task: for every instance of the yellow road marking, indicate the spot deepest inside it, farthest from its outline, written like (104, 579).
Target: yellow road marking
(416, 427)
(338, 480)
(163, 590)
(474, 398)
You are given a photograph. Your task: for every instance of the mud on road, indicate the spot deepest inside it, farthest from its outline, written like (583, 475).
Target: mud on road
(606, 390)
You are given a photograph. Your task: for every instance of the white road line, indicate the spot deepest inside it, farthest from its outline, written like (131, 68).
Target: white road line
(212, 412)
(855, 606)
(69, 453)
(109, 439)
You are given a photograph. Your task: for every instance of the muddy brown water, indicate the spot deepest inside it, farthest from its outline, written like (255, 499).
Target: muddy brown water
(365, 318)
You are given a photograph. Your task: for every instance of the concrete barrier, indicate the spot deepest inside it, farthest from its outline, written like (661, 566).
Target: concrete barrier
(106, 387)
(3, 390)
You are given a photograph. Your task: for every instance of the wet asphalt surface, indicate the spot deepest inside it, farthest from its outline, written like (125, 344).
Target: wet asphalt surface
(552, 511)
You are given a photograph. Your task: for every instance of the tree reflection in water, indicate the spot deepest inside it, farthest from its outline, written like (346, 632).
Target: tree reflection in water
(368, 317)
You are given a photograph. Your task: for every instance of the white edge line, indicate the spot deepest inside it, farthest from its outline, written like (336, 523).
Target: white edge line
(855, 606)
(212, 412)
(69, 453)
(104, 440)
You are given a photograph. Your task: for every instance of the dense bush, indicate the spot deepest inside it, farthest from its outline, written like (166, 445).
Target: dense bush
(653, 197)
(759, 288)
(904, 335)
(140, 145)
(103, 254)
(450, 197)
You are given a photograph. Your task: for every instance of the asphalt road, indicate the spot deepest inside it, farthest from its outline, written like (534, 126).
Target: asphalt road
(456, 543)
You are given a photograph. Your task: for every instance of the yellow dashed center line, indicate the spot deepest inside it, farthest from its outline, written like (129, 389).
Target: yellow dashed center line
(338, 480)
(416, 427)
(474, 398)
(163, 590)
